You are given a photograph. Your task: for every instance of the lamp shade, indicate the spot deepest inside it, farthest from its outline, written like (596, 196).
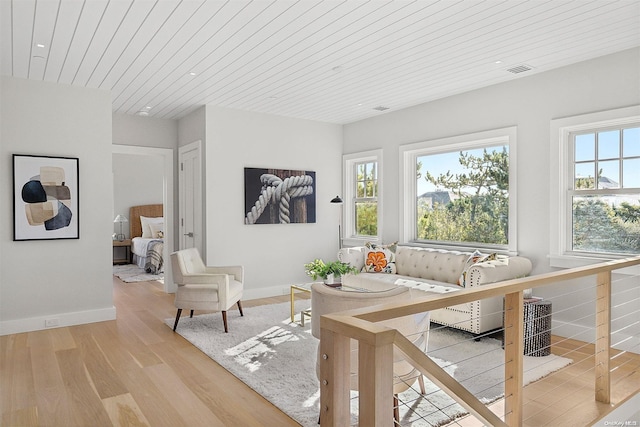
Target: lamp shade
(121, 218)
(336, 199)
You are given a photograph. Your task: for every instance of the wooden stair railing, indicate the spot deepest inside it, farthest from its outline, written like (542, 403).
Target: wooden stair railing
(376, 344)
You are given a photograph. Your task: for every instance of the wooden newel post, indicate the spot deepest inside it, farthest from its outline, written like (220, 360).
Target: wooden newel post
(334, 379)
(513, 357)
(603, 337)
(375, 381)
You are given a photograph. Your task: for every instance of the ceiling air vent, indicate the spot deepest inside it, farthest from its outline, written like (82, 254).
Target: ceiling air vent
(520, 69)
(381, 108)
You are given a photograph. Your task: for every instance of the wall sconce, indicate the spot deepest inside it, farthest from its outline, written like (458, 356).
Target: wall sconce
(120, 219)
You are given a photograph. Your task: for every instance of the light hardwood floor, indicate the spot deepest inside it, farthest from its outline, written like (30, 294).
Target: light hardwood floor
(135, 371)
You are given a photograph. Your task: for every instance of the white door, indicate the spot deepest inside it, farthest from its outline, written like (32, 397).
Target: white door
(190, 197)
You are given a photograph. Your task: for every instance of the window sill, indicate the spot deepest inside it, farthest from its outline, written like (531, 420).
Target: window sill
(359, 241)
(462, 248)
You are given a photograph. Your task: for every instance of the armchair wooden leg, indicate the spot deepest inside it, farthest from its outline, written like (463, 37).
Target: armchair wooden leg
(240, 308)
(175, 325)
(224, 320)
(191, 315)
(421, 382)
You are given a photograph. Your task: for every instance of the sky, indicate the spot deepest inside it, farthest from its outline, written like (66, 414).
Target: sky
(438, 164)
(608, 155)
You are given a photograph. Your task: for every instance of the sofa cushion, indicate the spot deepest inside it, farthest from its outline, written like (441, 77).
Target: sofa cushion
(433, 264)
(380, 258)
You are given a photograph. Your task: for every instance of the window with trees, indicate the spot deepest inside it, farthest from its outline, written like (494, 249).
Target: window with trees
(460, 195)
(595, 187)
(366, 200)
(605, 190)
(362, 196)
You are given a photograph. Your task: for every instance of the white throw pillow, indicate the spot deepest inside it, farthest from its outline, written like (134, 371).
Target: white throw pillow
(145, 221)
(157, 230)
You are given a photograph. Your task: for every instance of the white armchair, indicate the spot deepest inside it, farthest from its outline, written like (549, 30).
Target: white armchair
(205, 288)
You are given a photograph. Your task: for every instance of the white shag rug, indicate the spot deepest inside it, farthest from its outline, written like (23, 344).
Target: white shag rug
(277, 359)
(130, 273)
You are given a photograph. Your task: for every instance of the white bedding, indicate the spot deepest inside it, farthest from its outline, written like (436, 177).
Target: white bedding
(139, 249)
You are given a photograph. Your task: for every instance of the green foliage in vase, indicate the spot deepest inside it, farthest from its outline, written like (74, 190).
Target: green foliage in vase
(319, 269)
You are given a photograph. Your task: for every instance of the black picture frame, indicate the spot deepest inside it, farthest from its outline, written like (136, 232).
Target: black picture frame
(46, 193)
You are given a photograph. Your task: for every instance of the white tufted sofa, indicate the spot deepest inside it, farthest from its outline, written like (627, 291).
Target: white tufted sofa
(436, 270)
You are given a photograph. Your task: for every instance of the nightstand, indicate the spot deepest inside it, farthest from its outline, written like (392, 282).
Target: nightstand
(126, 244)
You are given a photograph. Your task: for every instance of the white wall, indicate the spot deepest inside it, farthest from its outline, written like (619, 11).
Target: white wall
(192, 127)
(273, 254)
(69, 280)
(137, 180)
(529, 103)
(144, 131)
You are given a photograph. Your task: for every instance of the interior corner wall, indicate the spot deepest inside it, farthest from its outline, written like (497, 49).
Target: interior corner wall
(191, 128)
(273, 255)
(70, 280)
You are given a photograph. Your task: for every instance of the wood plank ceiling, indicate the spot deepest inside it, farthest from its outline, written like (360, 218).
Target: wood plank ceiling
(332, 61)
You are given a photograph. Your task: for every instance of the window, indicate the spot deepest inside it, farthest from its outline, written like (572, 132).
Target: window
(362, 196)
(366, 200)
(598, 167)
(457, 191)
(605, 198)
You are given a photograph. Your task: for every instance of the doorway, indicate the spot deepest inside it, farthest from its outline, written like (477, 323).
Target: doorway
(167, 199)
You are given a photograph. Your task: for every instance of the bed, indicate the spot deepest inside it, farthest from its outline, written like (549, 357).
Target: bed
(146, 227)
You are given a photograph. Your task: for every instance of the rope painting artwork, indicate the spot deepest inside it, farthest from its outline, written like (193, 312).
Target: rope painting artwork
(279, 196)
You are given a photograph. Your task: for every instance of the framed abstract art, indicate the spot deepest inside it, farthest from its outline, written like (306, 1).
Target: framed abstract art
(45, 197)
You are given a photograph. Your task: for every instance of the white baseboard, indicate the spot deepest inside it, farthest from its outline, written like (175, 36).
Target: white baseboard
(59, 320)
(619, 341)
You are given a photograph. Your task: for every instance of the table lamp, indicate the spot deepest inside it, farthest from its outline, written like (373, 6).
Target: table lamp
(120, 219)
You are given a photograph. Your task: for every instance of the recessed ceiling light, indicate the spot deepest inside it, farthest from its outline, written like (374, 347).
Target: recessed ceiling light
(142, 113)
(39, 45)
(147, 108)
(192, 73)
(498, 62)
(338, 69)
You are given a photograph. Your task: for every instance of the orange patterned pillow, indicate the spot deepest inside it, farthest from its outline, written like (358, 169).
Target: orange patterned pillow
(380, 258)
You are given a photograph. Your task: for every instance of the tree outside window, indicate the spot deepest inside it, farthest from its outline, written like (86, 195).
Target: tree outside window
(605, 199)
(463, 196)
(365, 201)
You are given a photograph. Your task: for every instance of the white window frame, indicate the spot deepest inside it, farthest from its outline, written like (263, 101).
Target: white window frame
(350, 161)
(561, 177)
(408, 161)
